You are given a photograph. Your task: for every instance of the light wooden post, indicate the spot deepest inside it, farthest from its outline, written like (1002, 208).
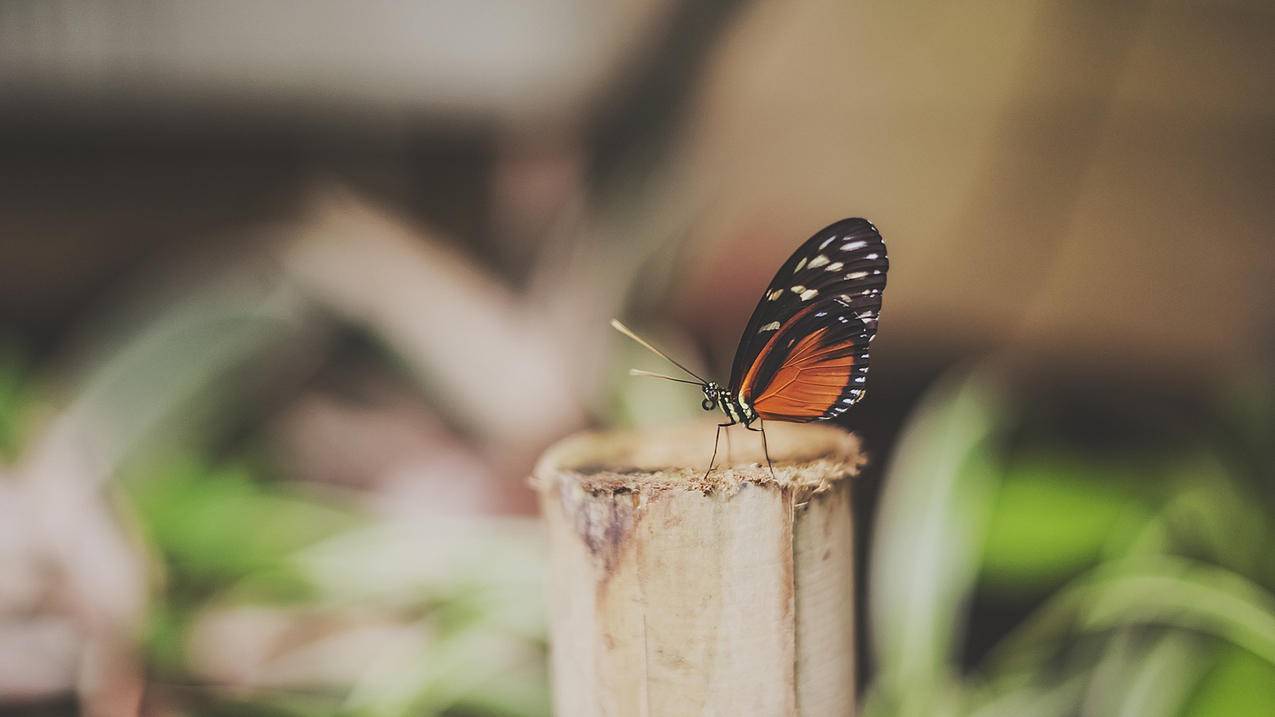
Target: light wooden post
(672, 594)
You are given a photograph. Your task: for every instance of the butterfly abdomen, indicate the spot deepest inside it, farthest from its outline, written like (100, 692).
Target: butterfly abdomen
(737, 409)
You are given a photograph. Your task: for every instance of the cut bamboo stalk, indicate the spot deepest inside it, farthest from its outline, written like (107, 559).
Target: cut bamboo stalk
(675, 594)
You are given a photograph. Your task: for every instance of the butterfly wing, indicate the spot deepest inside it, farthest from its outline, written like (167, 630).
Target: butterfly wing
(804, 353)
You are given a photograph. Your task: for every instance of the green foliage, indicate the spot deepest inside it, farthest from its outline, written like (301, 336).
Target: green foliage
(930, 529)
(1212, 515)
(1154, 591)
(477, 671)
(164, 636)
(15, 398)
(1053, 517)
(468, 589)
(218, 531)
(1152, 572)
(1238, 685)
(1152, 585)
(218, 526)
(475, 585)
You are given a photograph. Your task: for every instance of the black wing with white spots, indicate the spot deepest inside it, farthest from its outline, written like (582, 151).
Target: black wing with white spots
(804, 353)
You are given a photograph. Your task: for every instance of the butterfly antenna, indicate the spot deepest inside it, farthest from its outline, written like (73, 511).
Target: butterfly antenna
(651, 374)
(625, 330)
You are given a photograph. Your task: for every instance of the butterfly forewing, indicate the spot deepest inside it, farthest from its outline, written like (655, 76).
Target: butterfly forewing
(804, 354)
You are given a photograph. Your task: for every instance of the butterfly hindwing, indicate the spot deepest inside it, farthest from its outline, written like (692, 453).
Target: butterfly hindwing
(815, 367)
(804, 353)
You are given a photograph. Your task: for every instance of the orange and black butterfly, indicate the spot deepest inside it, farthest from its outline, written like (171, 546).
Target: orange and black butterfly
(804, 354)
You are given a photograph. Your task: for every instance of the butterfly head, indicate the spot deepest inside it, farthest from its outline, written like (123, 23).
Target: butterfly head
(712, 396)
(735, 408)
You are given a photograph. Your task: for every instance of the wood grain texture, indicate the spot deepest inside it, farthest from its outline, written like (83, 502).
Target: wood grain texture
(676, 594)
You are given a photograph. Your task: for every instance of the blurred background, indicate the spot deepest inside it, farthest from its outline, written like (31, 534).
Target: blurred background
(292, 295)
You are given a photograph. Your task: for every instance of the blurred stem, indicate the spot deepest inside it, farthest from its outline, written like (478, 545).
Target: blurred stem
(1029, 698)
(1161, 678)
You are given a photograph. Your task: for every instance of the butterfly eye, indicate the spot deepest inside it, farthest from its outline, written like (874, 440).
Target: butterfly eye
(709, 404)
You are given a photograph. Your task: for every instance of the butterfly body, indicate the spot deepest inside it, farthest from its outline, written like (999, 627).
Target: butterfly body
(736, 409)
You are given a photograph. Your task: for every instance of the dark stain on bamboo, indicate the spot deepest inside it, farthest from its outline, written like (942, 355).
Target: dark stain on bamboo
(605, 533)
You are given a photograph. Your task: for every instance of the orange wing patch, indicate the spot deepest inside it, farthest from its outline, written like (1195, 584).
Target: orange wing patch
(809, 382)
(746, 386)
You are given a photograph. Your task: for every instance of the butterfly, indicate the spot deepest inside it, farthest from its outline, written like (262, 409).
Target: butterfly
(804, 354)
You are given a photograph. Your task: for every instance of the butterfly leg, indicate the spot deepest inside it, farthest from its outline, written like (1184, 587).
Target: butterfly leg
(716, 440)
(764, 448)
(729, 453)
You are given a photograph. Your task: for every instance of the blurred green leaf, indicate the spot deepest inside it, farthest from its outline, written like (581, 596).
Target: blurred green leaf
(1028, 695)
(1147, 675)
(476, 667)
(1212, 515)
(1164, 591)
(945, 697)
(938, 492)
(169, 373)
(1053, 517)
(1154, 680)
(1239, 685)
(523, 692)
(164, 638)
(465, 570)
(214, 527)
(14, 396)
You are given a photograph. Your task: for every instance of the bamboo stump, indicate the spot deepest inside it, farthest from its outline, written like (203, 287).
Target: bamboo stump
(675, 594)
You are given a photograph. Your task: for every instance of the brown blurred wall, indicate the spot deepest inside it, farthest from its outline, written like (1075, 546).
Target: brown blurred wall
(1086, 182)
